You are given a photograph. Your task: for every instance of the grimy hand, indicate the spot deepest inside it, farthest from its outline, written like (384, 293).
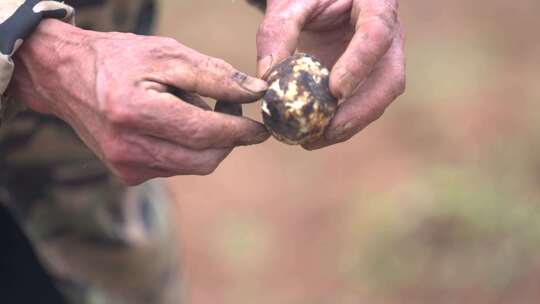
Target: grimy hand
(361, 40)
(114, 89)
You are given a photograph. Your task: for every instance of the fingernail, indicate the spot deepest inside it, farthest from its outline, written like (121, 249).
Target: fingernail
(255, 139)
(339, 133)
(264, 66)
(347, 83)
(254, 85)
(262, 136)
(314, 145)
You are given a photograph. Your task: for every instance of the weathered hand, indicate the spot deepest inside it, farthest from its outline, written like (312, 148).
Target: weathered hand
(361, 40)
(115, 89)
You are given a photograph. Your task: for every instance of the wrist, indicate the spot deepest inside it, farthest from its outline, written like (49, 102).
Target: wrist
(52, 44)
(41, 60)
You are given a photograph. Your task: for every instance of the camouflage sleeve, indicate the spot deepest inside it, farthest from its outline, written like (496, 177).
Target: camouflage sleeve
(18, 18)
(99, 241)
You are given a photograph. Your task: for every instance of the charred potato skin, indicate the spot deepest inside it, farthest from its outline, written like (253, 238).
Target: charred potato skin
(298, 105)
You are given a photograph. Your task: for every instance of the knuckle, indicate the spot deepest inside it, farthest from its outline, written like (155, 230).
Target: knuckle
(379, 28)
(220, 63)
(197, 137)
(119, 114)
(211, 64)
(169, 41)
(156, 43)
(168, 48)
(211, 72)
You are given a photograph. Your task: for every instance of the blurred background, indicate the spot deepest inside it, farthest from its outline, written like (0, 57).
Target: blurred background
(437, 202)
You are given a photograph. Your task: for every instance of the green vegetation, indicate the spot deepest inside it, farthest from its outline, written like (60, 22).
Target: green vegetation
(450, 231)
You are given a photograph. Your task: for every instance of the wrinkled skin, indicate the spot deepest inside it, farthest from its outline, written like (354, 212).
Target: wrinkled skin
(114, 89)
(361, 40)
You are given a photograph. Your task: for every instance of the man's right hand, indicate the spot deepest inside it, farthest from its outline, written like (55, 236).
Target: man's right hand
(114, 90)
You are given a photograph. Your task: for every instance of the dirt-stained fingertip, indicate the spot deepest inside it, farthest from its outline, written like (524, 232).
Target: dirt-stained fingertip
(251, 84)
(259, 137)
(264, 66)
(343, 84)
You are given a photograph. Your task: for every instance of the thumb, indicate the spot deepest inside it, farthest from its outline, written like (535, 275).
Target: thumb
(278, 35)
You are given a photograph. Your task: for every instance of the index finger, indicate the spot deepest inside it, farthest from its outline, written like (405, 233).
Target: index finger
(193, 72)
(375, 27)
(164, 116)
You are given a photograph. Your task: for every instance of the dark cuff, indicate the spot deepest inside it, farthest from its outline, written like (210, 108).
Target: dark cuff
(18, 19)
(25, 19)
(258, 3)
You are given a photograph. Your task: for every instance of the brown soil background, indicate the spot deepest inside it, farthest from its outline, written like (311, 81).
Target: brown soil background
(434, 203)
